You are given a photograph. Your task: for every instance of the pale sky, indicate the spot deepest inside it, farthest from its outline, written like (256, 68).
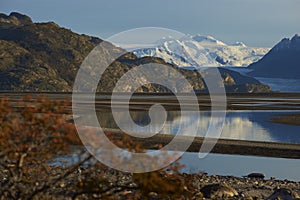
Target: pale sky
(254, 22)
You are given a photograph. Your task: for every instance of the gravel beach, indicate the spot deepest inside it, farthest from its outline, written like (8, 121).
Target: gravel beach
(120, 185)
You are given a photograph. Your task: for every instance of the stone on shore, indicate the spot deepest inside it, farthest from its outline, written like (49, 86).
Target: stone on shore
(283, 194)
(256, 175)
(218, 191)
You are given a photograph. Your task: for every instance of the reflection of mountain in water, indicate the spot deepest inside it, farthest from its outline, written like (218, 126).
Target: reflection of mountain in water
(244, 125)
(141, 118)
(236, 126)
(279, 132)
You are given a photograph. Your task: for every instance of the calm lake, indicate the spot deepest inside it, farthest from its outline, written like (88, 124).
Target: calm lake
(242, 124)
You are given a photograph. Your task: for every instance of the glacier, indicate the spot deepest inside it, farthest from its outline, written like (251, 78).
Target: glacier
(200, 50)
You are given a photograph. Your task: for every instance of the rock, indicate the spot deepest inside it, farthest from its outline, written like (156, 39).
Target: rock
(15, 19)
(23, 19)
(256, 175)
(198, 195)
(218, 191)
(283, 194)
(152, 195)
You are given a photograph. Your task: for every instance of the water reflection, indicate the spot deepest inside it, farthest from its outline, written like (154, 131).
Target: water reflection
(243, 125)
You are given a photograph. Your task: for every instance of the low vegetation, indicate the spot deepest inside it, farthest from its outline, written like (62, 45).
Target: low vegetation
(35, 131)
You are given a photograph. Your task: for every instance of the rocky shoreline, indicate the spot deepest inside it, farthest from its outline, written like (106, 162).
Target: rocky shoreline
(119, 185)
(212, 187)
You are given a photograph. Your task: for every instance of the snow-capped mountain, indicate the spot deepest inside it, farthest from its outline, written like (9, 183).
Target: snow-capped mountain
(202, 50)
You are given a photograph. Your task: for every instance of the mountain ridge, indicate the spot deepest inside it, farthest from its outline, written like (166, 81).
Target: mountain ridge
(200, 50)
(36, 57)
(282, 61)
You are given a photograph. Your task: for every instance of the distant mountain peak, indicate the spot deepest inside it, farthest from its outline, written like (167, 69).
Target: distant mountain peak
(207, 38)
(295, 39)
(241, 44)
(201, 50)
(287, 43)
(282, 61)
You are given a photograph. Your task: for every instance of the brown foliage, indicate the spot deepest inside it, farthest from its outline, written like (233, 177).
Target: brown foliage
(31, 132)
(35, 130)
